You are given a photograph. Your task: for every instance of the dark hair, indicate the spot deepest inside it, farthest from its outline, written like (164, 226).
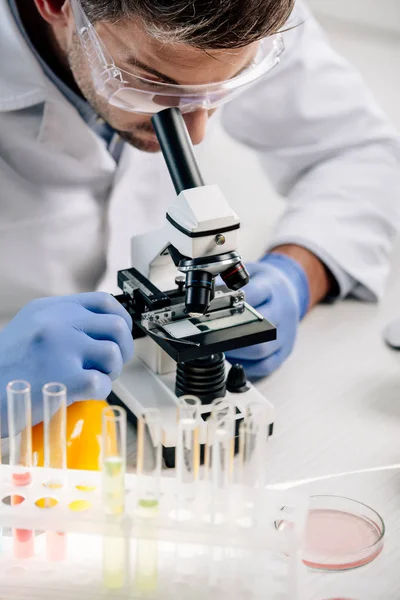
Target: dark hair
(207, 24)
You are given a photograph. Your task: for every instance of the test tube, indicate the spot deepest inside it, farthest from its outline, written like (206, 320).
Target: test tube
(113, 484)
(220, 444)
(188, 448)
(113, 459)
(149, 452)
(55, 429)
(146, 568)
(20, 440)
(252, 448)
(55, 455)
(219, 456)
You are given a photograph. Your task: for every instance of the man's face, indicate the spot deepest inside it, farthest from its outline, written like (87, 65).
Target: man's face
(135, 51)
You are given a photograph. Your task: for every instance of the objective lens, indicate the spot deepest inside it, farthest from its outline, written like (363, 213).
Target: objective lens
(236, 277)
(199, 288)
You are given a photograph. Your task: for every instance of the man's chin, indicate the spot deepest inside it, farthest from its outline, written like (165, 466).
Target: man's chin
(142, 143)
(146, 146)
(151, 147)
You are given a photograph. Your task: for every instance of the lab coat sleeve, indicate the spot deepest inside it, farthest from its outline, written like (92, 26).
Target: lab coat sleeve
(326, 146)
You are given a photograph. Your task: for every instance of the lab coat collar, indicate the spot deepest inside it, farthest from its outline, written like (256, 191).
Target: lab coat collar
(22, 81)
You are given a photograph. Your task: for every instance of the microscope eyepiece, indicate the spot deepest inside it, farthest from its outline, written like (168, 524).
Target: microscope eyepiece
(236, 276)
(199, 292)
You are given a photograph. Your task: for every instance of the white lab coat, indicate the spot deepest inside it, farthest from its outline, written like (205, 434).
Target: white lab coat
(67, 210)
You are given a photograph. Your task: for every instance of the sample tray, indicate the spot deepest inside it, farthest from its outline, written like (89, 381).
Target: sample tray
(152, 554)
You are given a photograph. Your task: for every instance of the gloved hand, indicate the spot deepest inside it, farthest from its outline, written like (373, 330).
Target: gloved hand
(81, 341)
(279, 290)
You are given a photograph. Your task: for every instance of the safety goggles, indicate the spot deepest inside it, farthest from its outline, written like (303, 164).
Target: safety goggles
(133, 93)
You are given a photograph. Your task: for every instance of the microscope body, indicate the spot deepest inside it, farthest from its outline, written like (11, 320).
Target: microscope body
(183, 320)
(167, 347)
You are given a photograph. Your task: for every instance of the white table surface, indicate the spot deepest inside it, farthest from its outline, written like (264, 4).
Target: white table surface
(338, 397)
(337, 405)
(338, 410)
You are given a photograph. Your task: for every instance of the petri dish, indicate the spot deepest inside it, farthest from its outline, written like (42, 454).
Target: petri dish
(341, 533)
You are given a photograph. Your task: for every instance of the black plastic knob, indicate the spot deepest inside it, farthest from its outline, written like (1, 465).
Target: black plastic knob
(236, 382)
(180, 282)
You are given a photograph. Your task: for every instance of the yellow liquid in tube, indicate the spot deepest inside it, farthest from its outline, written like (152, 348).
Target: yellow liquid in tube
(113, 485)
(114, 548)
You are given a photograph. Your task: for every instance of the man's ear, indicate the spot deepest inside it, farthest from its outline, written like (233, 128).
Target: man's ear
(54, 12)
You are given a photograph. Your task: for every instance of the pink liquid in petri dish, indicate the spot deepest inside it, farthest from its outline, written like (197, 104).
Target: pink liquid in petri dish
(338, 540)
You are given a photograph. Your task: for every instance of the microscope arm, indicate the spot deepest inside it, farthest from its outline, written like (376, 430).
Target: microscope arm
(201, 226)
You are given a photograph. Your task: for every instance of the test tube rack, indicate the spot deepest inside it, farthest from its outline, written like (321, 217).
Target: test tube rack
(147, 553)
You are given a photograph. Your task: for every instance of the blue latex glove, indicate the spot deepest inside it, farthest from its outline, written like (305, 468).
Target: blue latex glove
(81, 341)
(279, 290)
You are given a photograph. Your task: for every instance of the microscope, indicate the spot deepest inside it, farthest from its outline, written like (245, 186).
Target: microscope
(186, 300)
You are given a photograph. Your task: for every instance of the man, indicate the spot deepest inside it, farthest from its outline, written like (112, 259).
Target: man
(79, 76)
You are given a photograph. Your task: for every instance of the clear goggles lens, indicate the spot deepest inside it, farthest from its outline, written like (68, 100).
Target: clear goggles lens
(136, 100)
(133, 93)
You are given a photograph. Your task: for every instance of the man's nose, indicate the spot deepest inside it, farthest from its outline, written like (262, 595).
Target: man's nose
(196, 122)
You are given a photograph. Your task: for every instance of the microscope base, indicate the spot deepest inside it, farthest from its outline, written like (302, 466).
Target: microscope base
(140, 389)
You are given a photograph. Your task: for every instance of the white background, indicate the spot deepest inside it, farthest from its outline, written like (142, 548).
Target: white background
(384, 14)
(370, 39)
